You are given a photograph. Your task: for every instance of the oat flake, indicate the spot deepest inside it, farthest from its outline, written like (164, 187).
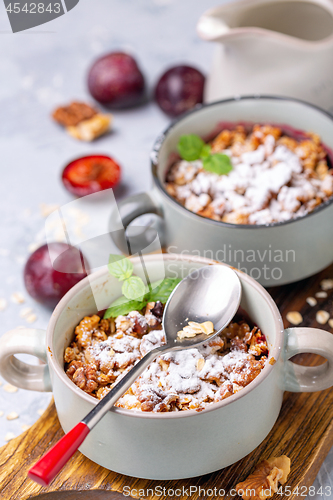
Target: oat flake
(327, 284)
(330, 322)
(294, 317)
(25, 312)
(12, 416)
(9, 436)
(3, 304)
(322, 317)
(47, 209)
(311, 301)
(31, 318)
(1, 413)
(10, 388)
(17, 298)
(200, 364)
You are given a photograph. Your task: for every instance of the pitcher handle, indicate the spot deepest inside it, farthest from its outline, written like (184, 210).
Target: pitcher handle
(17, 372)
(299, 378)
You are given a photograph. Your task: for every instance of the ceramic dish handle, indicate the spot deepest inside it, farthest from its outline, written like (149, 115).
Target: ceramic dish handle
(299, 378)
(21, 374)
(129, 209)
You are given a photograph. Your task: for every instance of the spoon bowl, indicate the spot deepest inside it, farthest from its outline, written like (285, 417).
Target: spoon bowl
(211, 293)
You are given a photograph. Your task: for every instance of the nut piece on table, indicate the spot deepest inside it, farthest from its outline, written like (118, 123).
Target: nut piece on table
(82, 121)
(73, 114)
(264, 481)
(88, 130)
(194, 329)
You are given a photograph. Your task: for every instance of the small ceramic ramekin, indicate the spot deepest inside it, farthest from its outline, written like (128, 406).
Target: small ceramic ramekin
(273, 254)
(177, 444)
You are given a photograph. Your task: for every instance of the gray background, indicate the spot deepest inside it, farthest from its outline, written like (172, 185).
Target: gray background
(45, 67)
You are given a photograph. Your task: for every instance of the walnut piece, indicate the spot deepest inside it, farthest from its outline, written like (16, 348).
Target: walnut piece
(73, 114)
(264, 481)
(85, 329)
(82, 121)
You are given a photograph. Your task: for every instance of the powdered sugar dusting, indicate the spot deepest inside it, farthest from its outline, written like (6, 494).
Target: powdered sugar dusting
(179, 380)
(274, 179)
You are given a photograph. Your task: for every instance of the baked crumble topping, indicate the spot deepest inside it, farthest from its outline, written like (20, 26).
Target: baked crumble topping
(274, 177)
(104, 350)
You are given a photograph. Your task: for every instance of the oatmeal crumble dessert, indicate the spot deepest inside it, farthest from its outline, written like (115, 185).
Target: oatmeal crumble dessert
(264, 481)
(274, 177)
(104, 350)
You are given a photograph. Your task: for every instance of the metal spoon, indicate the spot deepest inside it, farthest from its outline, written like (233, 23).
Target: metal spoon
(210, 293)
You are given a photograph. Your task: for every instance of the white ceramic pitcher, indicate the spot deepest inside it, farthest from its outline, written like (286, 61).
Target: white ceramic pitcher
(271, 47)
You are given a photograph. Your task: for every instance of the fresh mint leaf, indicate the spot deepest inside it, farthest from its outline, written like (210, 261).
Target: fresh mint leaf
(205, 152)
(190, 147)
(218, 163)
(123, 306)
(133, 288)
(120, 267)
(161, 290)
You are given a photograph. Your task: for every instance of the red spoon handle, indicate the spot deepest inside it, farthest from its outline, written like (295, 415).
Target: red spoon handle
(50, 464)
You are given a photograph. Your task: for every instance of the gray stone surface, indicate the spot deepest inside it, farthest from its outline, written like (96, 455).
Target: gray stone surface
(45, 67)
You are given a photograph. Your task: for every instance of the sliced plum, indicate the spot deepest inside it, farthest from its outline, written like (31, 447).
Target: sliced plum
(90, 174)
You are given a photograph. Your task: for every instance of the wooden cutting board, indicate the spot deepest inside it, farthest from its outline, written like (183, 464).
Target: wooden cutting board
(303, 431)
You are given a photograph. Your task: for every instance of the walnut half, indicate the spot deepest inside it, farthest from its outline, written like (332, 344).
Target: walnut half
(82, 121)
(264, 481)
(73, 114)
